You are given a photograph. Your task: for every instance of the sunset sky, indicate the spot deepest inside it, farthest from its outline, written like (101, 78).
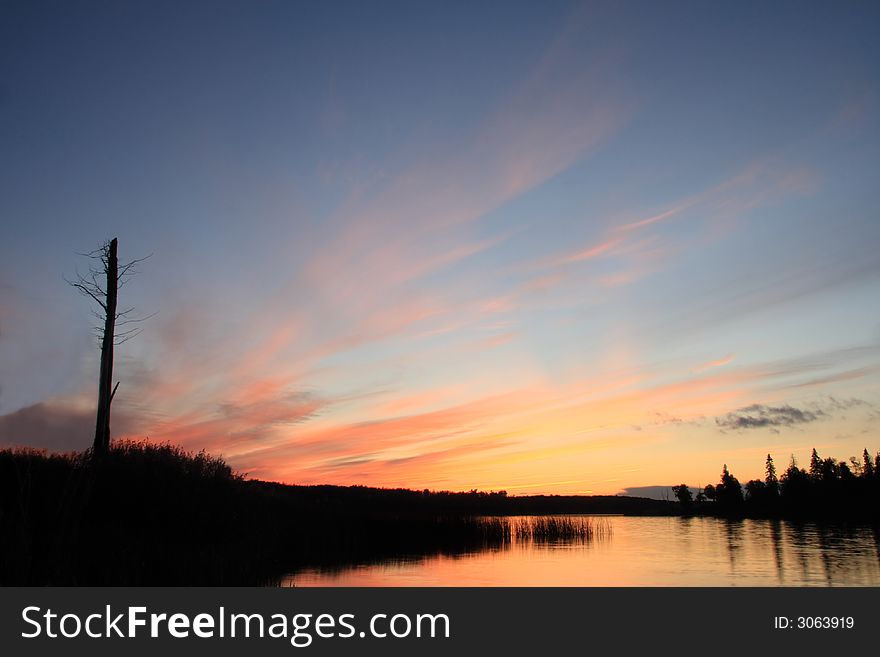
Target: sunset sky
(543, 247)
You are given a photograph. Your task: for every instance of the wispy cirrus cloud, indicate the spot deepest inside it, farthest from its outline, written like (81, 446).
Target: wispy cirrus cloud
(362, 282)
(642, 223)
(635, 247)
(719, 362)
(234, 426)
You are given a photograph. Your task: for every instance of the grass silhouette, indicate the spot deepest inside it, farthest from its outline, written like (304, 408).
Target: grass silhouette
(155, 514)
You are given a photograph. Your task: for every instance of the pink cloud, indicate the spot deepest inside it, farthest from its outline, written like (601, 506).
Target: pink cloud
(588, 253)
(720, 362)
(654, 219)
(498, 340)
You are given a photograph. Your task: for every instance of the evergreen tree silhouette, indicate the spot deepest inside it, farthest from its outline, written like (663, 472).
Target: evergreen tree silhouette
(770, 479)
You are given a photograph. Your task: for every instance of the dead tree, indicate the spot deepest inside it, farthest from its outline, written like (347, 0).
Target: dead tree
(101, 284)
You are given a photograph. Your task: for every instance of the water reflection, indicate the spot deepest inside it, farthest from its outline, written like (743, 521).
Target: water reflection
(639, 551)
(732, 534)
(775, 527)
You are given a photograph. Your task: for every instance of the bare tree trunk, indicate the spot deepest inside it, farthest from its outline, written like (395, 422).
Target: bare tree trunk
(105, 392)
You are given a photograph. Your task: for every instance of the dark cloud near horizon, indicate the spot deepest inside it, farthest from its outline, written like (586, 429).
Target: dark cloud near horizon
(654, 492)
(55, 427)
(759, 416)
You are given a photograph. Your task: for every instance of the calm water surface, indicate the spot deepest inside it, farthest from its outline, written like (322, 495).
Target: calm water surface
(634, 551)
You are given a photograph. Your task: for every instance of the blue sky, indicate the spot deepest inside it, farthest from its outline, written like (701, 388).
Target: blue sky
(550, 247)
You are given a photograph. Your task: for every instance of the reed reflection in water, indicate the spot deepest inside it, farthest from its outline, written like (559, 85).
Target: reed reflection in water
(637, 551)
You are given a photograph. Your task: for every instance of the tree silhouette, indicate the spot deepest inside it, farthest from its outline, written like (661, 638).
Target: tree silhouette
(831, 489)
(101, 284)
(756, 490)
(771, 481)
(795, 485)
(728, 492)
(684, 495)
(710, 492)
(867, 467)
(815, 465)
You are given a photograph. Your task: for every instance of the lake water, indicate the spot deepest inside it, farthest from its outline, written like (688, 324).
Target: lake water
(645, 551)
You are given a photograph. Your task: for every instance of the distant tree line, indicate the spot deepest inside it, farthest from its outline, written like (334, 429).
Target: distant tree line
(148, 514)
(828, 489)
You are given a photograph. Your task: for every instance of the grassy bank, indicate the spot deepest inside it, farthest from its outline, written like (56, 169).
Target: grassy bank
(157, 515)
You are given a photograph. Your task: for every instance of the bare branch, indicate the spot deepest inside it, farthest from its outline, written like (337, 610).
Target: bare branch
(130, 331)
(125, 336)
(136, 320)
(98, 254)
(124, 312)
(95, 285)
(89, 284)
(124, 269)
(84, 289)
